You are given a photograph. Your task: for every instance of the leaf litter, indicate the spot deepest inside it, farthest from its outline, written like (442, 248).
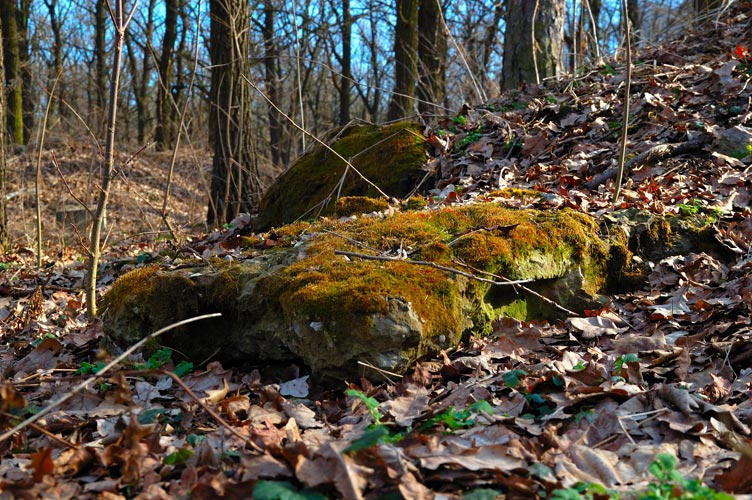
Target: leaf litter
(534, 407)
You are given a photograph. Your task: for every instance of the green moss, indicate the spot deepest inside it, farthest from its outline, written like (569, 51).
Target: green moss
(223, 289)
(416, 203)
(356, 205)
(174, 296)
(135, 286)
(325, 286)
(487, 237)
(390, 156)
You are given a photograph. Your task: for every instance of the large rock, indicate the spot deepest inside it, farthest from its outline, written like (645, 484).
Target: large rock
(302, 301)
(392, 157)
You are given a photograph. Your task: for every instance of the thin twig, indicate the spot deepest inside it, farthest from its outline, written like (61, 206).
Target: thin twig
(431, 264)
(542, 297)
(294, 124)
(625, 119)
(181, 126)
(216, 416)
(38, 181)
(83, 385)
(47, 433)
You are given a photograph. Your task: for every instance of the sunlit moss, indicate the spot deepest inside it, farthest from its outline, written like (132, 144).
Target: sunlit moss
(390, 157)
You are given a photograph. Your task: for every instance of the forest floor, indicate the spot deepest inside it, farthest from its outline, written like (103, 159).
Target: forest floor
(537, 410)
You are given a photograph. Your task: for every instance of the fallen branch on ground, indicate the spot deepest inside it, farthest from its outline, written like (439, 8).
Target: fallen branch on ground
(431, 264)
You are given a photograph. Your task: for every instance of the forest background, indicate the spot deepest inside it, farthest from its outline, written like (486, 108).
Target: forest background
(298, 66)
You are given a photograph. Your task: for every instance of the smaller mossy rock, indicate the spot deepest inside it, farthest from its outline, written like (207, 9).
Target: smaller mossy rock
(309, 301)
(638, 237)
(391, 157)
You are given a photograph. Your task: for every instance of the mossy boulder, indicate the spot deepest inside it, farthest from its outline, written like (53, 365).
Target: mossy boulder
(391, 157)
(308, 301)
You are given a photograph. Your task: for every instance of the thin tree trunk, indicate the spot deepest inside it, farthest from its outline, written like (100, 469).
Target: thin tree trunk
(13, 78)
(432, 54)
(345, 85)
(405, 59)
(235, 185)
(165, 132)
(635, 17)
(273, 79)
(100, 62)
(28, 98)
(121, 24)
(4, 239)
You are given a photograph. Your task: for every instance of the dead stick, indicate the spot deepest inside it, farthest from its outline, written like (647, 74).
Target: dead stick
(542, 297)
(431, 264)
(83, 385)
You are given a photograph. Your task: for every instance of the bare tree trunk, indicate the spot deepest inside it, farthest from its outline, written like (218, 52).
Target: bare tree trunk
(635, 17)
(165, 132)
(57, 57)
(273, 79)
(405, 59)
(100, 62)
(548, 31)
(346, 64)
(28, 99)
(432, 55)
(594, 16)
(13, 80)
(235, 185)
(489, 39)
(4, 239)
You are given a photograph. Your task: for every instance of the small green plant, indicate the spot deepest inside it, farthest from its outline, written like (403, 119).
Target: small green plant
(625, 359)
(699, 213)
(41, 339)
(371, 404)
(584, 491)
(380, 433)
(178, 457)
(743, 153)
(458, 419)
(473, 136)
(587, 413)
(89, 368)
(160, 358)
(670, 485)
(460, 120)
(512, 378)
(282, 490)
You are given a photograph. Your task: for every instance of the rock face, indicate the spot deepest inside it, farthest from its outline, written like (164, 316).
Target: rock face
(391, 157)
(302, 301)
